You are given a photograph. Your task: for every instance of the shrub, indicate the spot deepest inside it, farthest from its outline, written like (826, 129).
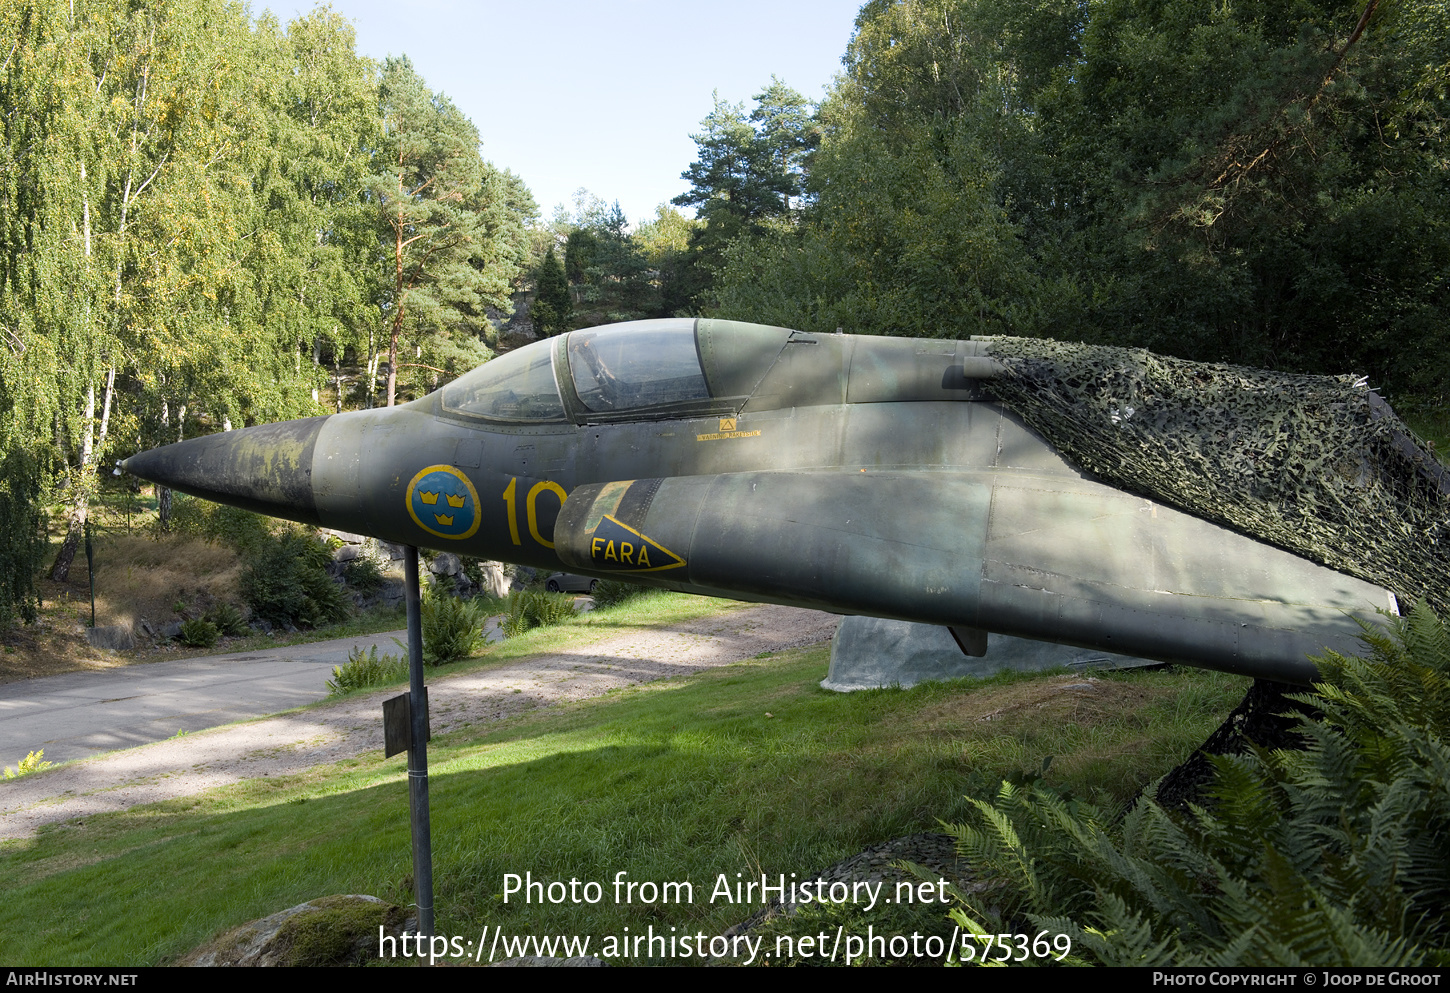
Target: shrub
(243, 530)
(363, 574)
(286, 582)
(1334, 855)
(199, 633)
(452, 627)
(363, 670)
(612, 592)
(31, 763)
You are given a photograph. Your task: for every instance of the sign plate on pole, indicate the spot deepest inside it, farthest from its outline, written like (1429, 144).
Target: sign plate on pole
(398, 723)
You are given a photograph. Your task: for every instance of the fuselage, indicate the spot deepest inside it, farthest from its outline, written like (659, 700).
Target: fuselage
(857, 474)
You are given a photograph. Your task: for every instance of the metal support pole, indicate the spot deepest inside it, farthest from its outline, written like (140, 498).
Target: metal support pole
(418, 749)
(91, 572)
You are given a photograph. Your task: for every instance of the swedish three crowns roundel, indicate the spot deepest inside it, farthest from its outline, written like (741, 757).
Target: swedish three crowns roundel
(442, 501)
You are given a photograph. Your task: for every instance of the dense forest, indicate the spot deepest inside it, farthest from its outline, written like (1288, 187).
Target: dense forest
(1265, 182)
(202, 216)
(209, 220)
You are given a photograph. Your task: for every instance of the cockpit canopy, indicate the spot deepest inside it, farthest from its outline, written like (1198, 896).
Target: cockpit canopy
(516, 386)
(643, 367)
(620, 371)
(679, 368)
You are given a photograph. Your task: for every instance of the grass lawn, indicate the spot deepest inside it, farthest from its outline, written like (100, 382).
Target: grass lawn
(748, 769)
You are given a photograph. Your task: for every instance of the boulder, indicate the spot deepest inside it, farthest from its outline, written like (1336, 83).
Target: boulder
(330, 931)
(446, 564)
(393, 592)
(346, 554)
(346, 537)
(495, 583)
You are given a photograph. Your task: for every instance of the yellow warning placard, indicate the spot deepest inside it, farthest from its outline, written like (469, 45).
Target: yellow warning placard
(619, 547)
(729, 428)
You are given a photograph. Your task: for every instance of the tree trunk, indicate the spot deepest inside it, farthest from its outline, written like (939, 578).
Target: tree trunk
(163, 493)
(60, 572)
(76, 519)
(399, 292)
(106, 410)
(80, 478)
(83, 480)
(393, 369)
(372, 376)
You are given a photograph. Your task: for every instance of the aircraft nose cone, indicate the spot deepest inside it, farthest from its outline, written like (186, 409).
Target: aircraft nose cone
(267, 469)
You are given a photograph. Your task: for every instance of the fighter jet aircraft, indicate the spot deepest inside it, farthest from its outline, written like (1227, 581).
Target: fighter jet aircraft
(860, 475)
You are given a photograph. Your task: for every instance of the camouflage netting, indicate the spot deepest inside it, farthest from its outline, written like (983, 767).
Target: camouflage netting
(1318, 465)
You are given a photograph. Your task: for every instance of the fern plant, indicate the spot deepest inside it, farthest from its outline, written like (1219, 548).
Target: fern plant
(228, 619)
(364, 670)
(199, 633)
(529, 609)
(33, 762)
(1333, 855)
(452, 627)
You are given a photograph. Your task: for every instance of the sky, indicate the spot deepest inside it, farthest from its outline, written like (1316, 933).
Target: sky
(602, 95)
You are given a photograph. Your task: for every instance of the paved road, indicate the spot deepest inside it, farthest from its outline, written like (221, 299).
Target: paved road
(341, 729)
(83, 713)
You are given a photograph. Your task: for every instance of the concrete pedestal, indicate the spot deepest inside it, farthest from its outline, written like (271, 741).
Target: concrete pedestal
(868, 653)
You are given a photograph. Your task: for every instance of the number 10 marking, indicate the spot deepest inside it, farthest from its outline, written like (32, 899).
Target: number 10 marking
(530, 507)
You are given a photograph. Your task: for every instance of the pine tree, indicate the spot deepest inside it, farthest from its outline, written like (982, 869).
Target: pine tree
(736, 180)
(787, 125)
(749, 170)
(427, 198)
(553, 306)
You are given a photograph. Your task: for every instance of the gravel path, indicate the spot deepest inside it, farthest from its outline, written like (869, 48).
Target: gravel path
(293, 742)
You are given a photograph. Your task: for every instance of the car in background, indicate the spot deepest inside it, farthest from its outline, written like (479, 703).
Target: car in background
(567, 582)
